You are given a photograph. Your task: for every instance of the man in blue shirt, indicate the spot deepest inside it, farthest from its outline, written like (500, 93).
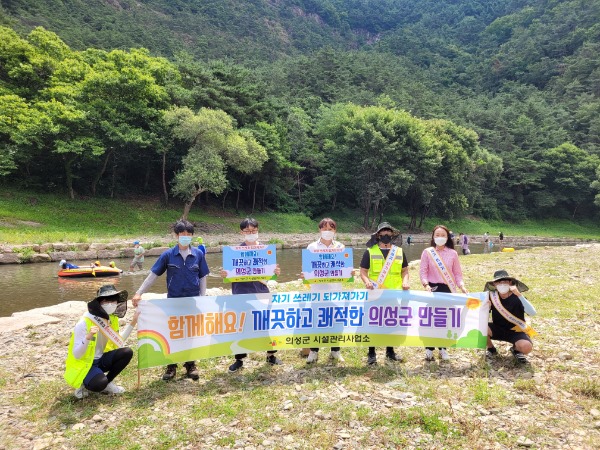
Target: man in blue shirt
(186, 277)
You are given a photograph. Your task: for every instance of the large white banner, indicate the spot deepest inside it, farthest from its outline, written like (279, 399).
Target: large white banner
(183, 329)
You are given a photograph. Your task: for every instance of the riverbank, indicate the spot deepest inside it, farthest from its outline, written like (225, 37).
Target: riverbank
(553, 403)
(123, 249)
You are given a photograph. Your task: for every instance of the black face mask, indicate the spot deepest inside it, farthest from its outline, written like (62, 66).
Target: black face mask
(385, 239)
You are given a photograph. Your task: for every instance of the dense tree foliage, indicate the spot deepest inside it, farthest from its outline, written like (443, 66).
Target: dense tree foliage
(441, 107)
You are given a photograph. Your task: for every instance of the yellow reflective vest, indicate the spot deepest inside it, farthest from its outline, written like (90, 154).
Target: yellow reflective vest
(393, 280)
(77, 369)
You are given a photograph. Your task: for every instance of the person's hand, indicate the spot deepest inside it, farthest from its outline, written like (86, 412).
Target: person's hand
(134, 319)
(513, 288)
(464, 290)
(223, 273)
(427, 287)
(136, 299)
(302, 275)
(277, 270)
(369, 284)
(405, 285)
(92, 333)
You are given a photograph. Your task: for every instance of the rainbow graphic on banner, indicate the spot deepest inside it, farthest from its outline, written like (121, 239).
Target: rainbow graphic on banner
(155, 339)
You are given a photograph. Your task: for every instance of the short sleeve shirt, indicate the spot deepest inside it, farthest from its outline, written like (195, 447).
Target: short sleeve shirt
(183, 276)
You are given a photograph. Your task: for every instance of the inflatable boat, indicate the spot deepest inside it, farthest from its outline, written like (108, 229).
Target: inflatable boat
(81, 272)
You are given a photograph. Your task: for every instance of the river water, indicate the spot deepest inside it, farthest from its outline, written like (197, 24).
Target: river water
(28, 286)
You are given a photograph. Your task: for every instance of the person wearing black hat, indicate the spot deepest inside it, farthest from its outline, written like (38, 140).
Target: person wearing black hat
(96, 352)
(508, 308)
(376, 274)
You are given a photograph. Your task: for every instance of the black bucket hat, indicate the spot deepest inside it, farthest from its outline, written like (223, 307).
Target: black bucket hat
(503, 275)
(382, 226)
(108, 290)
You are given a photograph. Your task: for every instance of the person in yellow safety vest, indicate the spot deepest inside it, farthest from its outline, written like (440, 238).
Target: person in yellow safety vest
(374, 275)
(95, 358)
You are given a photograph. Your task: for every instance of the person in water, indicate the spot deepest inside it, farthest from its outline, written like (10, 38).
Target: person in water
(66, 265)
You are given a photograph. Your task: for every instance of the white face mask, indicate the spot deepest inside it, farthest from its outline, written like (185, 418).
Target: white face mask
(109, 308)
(184, 240)
(249, 238)
(439, 241)
(327, 235)
(503, 288)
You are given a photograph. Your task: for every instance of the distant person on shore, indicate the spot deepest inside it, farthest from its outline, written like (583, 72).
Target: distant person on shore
(409, 239)
(186, 277)
(441, 272)
(501, 238)
(96, 352)
(327, 229)
(66, 265)
(138, 257)
(201, 245)
(486, 242)
(249, 231)
(463, 241)
(508, 307)
(376, 274)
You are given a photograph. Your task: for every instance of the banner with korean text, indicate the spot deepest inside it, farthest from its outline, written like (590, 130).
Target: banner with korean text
(175, 330)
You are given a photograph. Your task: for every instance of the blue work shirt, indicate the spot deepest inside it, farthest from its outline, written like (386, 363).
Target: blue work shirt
(183, 277)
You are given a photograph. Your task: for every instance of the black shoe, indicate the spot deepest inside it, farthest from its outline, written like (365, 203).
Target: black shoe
(191, 371)
(391, 356)
(491, 352)
(371, 359)
(274, 360)
(170, 372)
(237, 365)
(520, 357)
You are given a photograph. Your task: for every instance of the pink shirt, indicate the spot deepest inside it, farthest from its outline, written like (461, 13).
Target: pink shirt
(430, 273)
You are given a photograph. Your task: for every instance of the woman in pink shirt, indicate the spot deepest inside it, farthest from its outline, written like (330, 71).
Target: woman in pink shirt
(447, 279)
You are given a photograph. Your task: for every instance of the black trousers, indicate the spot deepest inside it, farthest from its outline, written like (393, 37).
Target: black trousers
(439, 287)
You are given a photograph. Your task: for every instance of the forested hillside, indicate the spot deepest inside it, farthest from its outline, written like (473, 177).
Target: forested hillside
(435, 107)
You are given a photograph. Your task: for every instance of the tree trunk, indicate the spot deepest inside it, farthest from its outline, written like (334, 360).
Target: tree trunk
(186, 209)
(224, 198)
(97, 178)
(69, 176)
(254, 196)
(188, 204)
(237, 202)
(262, 200)
(164, 179)
(114, 176)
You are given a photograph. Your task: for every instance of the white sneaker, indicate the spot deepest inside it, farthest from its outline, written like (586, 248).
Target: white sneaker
(337, 356)
(428, 355)
(312, 357)
(444, 354)
(112, 388)
(81, 392)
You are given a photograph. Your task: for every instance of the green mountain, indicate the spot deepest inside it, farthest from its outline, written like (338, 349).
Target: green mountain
(523, 74)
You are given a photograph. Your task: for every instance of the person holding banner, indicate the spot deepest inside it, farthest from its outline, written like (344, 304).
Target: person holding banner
(186, 277)
(327, 229)
(96, 352)
(384, 266)
(508, 308)
(441, 272)
(249, 230)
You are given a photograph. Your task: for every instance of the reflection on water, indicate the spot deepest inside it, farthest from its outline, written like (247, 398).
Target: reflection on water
(29, 286)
